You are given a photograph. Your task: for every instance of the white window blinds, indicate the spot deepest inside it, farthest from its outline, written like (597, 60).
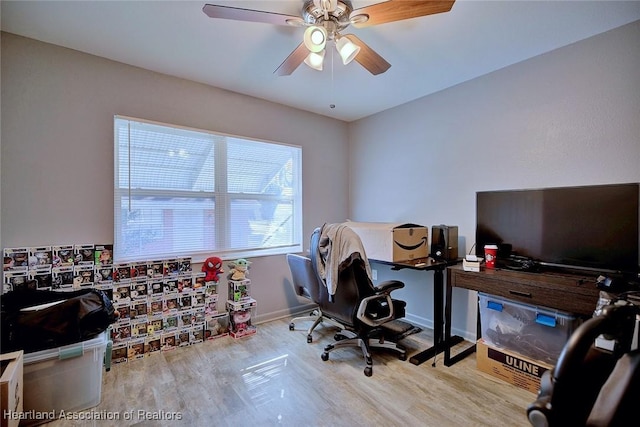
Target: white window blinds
(186, 192)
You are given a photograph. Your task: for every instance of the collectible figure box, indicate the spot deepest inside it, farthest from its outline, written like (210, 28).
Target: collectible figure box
(84, 254)
(217, 326)
(239, 290)
(240, 317)
(16, 259)
(241, 305)
(240, 323)
(392, 241)
(40, 257)
(63, 255)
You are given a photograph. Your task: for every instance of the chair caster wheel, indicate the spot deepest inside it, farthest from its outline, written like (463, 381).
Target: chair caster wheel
(309, 339)
(292, 326)
(403, 357)
(325, 356)
(368, 371)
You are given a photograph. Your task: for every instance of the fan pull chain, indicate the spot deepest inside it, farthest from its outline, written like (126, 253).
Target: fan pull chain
(332, 105)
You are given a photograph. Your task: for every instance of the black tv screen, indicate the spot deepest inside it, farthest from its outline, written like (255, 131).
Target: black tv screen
(589, 227)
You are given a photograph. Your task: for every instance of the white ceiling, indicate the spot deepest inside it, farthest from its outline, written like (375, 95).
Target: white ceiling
(427, 54)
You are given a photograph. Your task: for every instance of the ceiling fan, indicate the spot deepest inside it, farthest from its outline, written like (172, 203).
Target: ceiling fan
(326, 19)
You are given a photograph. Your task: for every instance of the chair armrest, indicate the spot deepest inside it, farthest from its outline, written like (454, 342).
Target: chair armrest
(388, 286)
(362, 310)
(383, 291)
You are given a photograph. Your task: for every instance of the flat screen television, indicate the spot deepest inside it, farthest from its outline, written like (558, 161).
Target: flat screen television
(587, 228)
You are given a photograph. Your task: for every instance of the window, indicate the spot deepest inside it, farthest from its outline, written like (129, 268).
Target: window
(184, 192)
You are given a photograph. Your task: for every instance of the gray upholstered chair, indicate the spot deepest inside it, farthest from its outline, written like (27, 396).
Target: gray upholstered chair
(306, 284)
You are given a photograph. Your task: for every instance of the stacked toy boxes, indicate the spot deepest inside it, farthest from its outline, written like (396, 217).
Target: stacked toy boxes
(65, 378)
(162, 304)
(240, 305)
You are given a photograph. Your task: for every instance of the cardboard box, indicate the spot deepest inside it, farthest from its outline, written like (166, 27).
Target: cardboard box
(472, 265)
(11, 383)
(510, 366)
(392, 241)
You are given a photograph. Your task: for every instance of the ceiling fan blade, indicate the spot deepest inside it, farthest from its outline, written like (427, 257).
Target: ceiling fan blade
(398, 10)
(368, 58)
(238, 14)
(292, 62)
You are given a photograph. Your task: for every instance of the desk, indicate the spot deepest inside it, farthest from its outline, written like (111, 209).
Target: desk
(571, 293)
(438, 267)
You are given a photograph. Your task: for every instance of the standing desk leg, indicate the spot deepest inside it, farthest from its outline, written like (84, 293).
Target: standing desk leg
(447, 326)
(438, 343)
(451, 341)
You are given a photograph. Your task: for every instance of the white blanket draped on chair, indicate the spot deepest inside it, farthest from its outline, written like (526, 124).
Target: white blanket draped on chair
(338, 243)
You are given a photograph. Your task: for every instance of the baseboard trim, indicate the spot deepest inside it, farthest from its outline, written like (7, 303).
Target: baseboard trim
(419, 321)
(423, 322)
(281, 314)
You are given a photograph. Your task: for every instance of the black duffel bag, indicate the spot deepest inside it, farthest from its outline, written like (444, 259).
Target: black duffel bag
(77, 316)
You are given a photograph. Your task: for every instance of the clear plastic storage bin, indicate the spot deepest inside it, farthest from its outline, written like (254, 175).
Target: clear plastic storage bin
(67, 378)
(535, 332)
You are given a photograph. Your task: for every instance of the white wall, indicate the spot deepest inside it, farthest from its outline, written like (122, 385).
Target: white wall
(57, 148)
(569, 117)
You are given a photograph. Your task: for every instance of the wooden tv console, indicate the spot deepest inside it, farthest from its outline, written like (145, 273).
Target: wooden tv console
(570, 293)
(576, 294)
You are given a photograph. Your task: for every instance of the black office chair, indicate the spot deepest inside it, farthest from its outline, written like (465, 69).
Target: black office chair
(368, 312)
(589, 386)
(307, 285)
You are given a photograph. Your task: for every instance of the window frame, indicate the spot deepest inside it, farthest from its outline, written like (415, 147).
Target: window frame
(223, 200)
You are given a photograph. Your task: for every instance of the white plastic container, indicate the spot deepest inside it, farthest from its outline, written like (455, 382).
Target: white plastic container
(67, 378)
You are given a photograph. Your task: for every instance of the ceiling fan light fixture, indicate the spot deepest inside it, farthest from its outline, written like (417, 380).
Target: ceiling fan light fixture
(315, 60)
(315, 38)
(347, 49)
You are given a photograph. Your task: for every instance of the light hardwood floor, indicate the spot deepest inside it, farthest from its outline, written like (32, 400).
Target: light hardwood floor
(276, 378)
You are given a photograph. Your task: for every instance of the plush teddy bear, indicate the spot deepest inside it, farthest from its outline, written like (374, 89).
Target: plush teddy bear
(239, 269)
(212, 266)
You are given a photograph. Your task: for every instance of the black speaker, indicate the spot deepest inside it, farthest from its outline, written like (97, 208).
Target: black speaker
(444, 242)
